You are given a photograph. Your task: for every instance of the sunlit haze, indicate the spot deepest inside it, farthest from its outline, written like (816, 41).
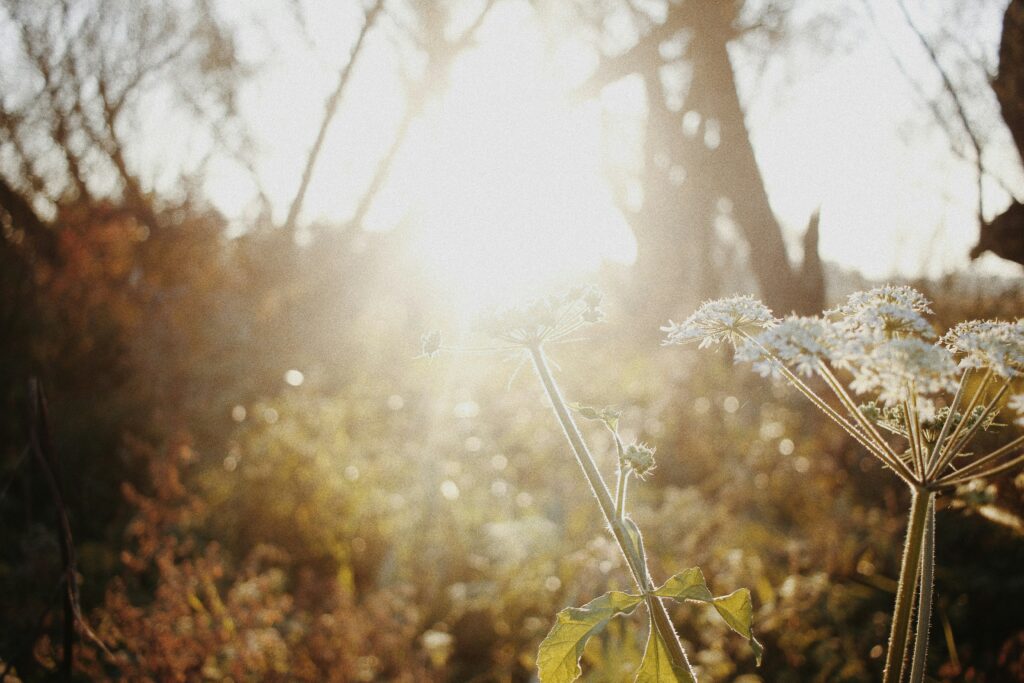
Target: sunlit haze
(503, 178)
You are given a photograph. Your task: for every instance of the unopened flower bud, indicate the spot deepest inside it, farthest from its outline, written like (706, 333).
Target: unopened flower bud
(639, 457)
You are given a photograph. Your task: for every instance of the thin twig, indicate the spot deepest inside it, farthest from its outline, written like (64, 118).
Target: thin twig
(330, 108)
(42, 445)
(954, 144)
(960, 111)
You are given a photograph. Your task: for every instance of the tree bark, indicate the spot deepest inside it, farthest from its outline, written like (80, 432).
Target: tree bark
(675, 230)
(735, 173)
(1004, 235)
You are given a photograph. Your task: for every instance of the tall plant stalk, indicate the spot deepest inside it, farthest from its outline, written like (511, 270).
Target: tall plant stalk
(636, 562)
(882, 340)
(525, 329)
(924, 610)
(910, 571)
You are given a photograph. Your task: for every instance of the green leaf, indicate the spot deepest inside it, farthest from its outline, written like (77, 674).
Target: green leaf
(736, 608)
(559, 655)
(737, 611)
(610, 416)
(686, 585)
(657, 666)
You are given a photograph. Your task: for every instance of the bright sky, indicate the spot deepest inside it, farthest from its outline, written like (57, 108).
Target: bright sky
(500, 178)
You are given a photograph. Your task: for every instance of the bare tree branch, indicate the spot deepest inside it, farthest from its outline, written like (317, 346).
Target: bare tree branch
(960, 112)
(330, 108)
(955, 144)
(437, 68)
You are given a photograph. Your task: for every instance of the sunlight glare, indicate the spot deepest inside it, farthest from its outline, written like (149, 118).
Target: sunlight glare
(509, 196)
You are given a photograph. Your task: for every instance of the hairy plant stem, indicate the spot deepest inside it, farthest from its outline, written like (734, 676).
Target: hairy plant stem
(620, 492)
(883, 453)
(933, 460)
(924, 608)
(630, 550)
(977, 469)
(910, 569)
(986, 413)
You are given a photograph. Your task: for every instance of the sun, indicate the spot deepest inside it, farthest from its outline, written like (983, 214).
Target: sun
(505, 177)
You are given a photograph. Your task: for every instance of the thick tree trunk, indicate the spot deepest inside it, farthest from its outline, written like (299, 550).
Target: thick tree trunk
(1004, 235)
(734, 172)
(685, 178)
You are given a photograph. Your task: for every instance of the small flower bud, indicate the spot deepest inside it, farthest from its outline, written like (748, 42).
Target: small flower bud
(639, 457)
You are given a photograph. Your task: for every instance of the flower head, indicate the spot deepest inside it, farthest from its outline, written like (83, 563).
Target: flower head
(798, 341)
(732, 320)
(897, 369)
(639, 457)
(544, 319)
(992, 344)
(886, 312)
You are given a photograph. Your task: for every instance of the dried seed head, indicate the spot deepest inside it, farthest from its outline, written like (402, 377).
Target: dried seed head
(885, 312)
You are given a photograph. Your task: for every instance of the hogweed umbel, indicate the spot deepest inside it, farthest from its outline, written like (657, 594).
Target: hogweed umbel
(928, 399)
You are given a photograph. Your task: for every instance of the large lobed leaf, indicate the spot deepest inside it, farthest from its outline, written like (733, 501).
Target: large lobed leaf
(559, 655)
(657, 666)
(736, 607)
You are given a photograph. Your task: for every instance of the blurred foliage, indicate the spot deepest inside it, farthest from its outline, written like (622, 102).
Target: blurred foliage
(394, 518)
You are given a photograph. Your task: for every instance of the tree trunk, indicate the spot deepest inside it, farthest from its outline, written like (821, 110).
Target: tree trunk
(1004, 235)
(685, 178)
(734, 172)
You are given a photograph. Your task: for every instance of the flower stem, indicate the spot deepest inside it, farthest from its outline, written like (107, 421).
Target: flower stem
(924, 609)
(637, 564)
(620, 492)
(899, 637)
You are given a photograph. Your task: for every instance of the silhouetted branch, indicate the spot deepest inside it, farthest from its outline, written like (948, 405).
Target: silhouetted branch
(42, 446)
(417, 100)
(330, 108)
(960, 112)
(41, 443)
(940, 118)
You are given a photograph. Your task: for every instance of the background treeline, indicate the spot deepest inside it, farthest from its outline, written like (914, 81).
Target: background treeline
(389, 518)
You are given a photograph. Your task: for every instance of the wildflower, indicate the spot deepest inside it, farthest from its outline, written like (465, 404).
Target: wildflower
(883, 339)
(545, 319)
(733, 320)
(639, 457)
(898, 368)
(798, 341)
(992, 344)
(886, 312)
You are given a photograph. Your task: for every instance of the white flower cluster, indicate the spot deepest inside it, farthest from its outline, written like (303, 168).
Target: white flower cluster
(885, 312)
(881, 337)
(544, 319)
(898, 369)
(730, 320)
(880, 344)
(992, 344)
(801, 342)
